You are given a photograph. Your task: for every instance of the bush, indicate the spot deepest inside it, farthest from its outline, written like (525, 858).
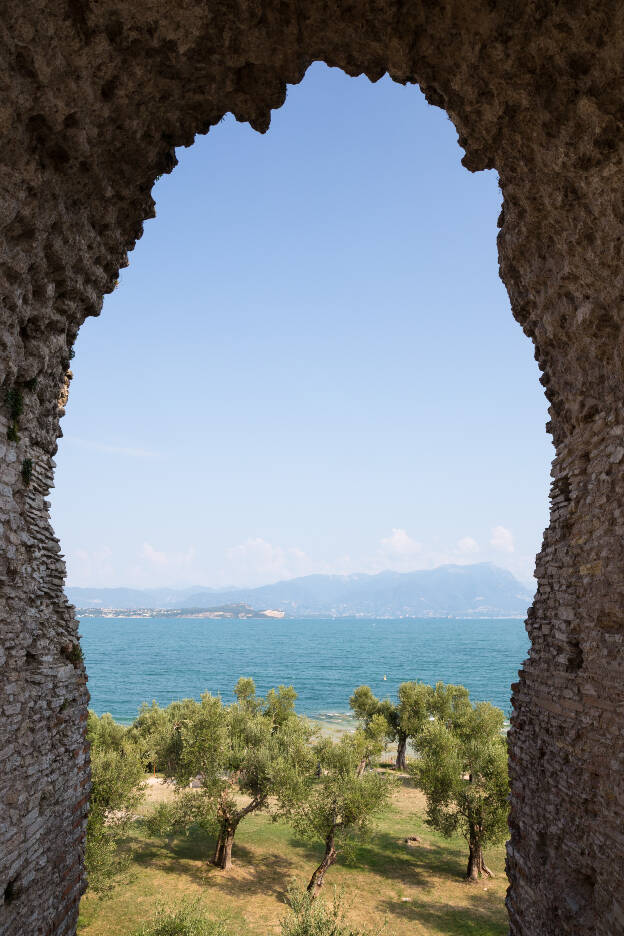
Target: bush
(314, 917)
(27, 470)
(117, 789)
(106, 865)
(188, 918)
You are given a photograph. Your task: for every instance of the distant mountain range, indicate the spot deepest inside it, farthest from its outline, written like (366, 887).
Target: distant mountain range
(479, 590)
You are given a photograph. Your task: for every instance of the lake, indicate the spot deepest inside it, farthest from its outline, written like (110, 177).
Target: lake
(132, 660)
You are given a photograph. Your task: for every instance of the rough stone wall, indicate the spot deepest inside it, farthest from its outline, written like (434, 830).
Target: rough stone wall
(94, 97)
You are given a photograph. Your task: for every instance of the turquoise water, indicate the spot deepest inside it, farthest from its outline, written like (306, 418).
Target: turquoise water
(134, 660)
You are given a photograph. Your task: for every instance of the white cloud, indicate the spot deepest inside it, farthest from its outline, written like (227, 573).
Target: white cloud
(152, 555)
(467, 545)
(399, 552)
(256, 561)
(400, 544)
(90, 566)
(167, 559)
(502, 539)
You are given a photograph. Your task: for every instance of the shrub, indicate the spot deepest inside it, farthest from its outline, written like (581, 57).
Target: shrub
(310, 917)
(27, 470)
(186, 918)
(14, 402)
(73, 654)
(117, 789)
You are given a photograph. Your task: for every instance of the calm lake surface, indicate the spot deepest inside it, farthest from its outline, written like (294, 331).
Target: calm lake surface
(133, 660)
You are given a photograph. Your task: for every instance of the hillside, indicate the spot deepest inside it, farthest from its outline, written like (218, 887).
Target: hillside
(479, 590)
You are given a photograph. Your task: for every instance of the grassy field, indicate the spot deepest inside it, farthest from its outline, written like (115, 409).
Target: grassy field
(415, 891)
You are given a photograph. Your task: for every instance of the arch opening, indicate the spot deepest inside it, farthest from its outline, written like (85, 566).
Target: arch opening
(244, 343)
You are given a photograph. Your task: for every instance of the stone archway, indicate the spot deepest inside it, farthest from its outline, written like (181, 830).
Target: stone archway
(96, 94)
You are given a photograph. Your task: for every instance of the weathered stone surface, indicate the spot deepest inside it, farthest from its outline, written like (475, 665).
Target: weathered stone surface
(94, 97)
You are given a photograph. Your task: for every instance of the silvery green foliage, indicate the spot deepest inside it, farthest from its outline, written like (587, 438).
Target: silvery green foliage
(116, 791)
(308, 917)
(341, 801)
(462, 770)
(187, 918)
(258, 747)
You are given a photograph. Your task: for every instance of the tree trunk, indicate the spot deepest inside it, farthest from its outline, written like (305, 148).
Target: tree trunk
(317, 879)
(401, 762)
(223, 851)
(476, 863)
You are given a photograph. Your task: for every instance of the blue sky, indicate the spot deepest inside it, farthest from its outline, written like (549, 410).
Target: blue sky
(310, 363)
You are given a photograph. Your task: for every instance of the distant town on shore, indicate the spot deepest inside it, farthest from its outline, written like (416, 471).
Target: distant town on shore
(239, 611)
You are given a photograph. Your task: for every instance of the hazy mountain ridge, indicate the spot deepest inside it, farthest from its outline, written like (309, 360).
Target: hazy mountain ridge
(479, 590)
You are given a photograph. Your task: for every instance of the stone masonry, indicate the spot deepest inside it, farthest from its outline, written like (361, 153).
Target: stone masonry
(94, 97)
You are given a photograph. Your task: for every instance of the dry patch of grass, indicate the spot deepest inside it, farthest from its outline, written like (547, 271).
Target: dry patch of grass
(416, 891)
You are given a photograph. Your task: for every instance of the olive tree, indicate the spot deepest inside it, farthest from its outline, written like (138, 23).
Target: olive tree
(340, 803)
(156, 732)
(449, 703)
(404, 719)
(367, 707)
(462, 770)
(257, 747)
(116, 790)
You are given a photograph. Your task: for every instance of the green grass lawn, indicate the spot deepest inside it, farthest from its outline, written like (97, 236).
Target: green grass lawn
(413, 890)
